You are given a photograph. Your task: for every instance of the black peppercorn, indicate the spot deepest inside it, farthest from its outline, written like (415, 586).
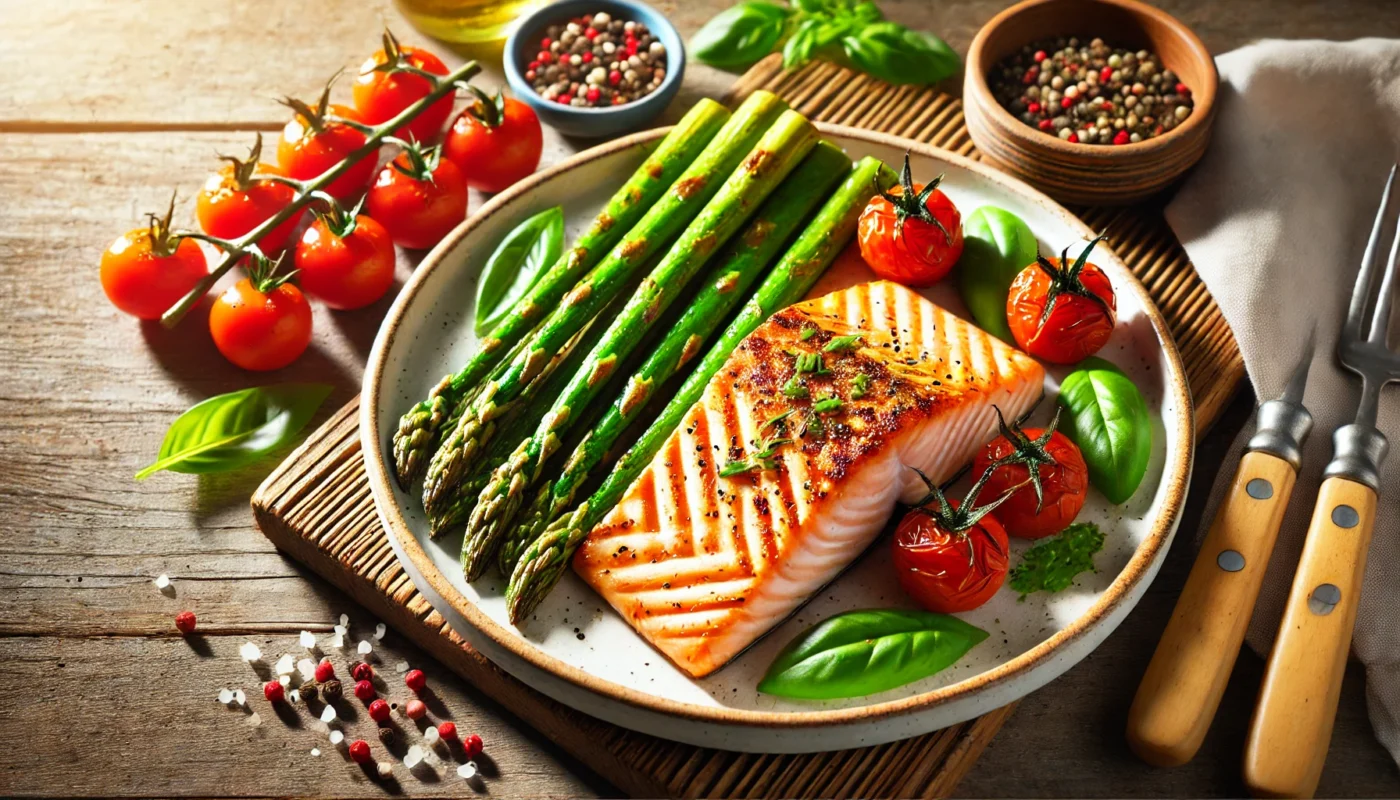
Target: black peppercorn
(308, 691)
(386, 735)
(331, 690)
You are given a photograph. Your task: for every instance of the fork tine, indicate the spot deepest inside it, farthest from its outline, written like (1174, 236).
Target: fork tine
(1364, 278)
(1380, 321)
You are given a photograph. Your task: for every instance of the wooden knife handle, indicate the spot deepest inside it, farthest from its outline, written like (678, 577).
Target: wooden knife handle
(1186, 678)
(1292, 724)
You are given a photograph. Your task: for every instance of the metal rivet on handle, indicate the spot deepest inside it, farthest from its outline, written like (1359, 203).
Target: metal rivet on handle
(1259, 489)
(1230, 560)
(1344, 516)
(1323, 599)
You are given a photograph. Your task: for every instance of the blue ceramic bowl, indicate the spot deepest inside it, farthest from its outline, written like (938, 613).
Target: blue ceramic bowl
(521, 47)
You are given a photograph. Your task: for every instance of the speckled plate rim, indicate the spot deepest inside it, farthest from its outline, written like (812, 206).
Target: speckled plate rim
(1175, 475)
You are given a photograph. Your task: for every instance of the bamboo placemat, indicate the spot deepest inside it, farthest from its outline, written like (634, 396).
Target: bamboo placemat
(317, 507)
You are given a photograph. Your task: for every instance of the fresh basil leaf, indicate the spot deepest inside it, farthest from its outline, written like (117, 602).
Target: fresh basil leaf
(228, 431)
(738, 37)
(864, 652)
(810, 6)
(1109, 421)
(997, 245)
(897, 55)
(798, 50)
(520, 259)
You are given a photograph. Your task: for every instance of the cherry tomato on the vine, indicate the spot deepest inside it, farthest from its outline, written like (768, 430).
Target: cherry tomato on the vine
(1063, 314)
(418, 197)
(496, 142)
(233, 202)
(911, 234)
(262, 322)
(312, 144)
(1041, 503)
(383, 89)
(953, 557)
(345, 259)
(146, 271)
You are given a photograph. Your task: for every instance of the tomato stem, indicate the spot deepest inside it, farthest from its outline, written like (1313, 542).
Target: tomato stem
(237, 248)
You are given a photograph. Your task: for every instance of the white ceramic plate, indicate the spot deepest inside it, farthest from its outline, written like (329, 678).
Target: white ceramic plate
(581, 653)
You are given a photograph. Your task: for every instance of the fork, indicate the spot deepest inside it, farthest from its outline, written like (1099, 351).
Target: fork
(1292, 723)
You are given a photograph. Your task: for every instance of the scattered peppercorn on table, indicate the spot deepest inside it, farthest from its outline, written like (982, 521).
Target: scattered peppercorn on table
(134, 108)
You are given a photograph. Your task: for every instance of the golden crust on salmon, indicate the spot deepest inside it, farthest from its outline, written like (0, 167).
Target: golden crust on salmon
(792, 462)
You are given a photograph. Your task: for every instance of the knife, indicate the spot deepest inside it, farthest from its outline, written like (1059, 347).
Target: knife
(1186, 678)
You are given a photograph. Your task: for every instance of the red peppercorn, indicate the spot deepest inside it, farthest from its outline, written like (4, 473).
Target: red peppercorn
(447, 731)
(415, 680)
(274, 692)
(532, 66)
(545, 57)
(365, 691)
(614, 77)
(593, 94)
(379, 711)
(1066, 102)
(1107, 106)
(1030, 76)
(1121, 137)
(184, 622)
(632, 48)
(325, 670)
(361, 671)
(415, 709)
(1033, 107)
(472, 746)
(1182, 89)
(545, 43)
(359, 751)
(563, 99)
(1039, 56)
(1073, 138)
(1106, 74)
(587, 57)
(1045, 125)
(618, 100)
(591, 33)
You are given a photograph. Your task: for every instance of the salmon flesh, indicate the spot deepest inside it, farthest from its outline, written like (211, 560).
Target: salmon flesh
(702, 563)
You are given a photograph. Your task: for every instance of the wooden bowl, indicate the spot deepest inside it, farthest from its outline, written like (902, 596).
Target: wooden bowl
(1093, 174)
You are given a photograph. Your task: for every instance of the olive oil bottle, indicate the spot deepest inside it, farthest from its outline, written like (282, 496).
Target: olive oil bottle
(466, 20)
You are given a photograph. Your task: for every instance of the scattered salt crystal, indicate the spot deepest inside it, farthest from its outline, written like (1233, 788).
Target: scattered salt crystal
(307, 668)
(467, 770)
(364, 648)
(316, 752)
(413, 757)
(337, 738)
(163, 582)
(294, 696)
(344, 620)
(338, 640)
(254, 720)
(307, 639)
(239, 697)
(431, 737)
(328, 714)
(401, 667)
(225, 696)
(385, 769)
(250, 652)
(285, 680)
(340, 630)
(284, 665)
(379, 631)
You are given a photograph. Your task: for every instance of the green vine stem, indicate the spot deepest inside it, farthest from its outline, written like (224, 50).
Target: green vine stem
(308, 192)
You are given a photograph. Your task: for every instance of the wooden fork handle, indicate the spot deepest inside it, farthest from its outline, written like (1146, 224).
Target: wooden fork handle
(1292, 724)
(1186, 678)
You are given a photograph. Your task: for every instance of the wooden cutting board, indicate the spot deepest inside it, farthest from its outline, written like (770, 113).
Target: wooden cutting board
(317, 507)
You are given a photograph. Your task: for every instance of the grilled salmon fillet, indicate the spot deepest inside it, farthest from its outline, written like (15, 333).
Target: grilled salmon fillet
(757, 500)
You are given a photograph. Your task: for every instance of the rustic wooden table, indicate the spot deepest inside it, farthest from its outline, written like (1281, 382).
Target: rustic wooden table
(105, 108)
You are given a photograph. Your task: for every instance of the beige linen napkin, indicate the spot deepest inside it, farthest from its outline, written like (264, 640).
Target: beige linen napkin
(1275, 218)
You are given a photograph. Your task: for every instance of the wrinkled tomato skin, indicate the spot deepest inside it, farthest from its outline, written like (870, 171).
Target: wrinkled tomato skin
(228, 213)
(304, 153)
(492, 159)
(950, 573)
(258, 331)
(380, 96)
(1077, 327)
(1063, 486)
(921, 255)
(146, 285)
(417, 214)
(346, 272)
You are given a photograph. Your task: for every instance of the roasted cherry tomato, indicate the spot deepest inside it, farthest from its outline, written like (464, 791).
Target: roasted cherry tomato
(952, 557)
(418, 197)
(146, 271)
(912, 234)
(496, 141)
(262, 322)
(311, 144)
(1062, 314)
(1043, 502)
(383, 89)
(346, 260)
(233, 202)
